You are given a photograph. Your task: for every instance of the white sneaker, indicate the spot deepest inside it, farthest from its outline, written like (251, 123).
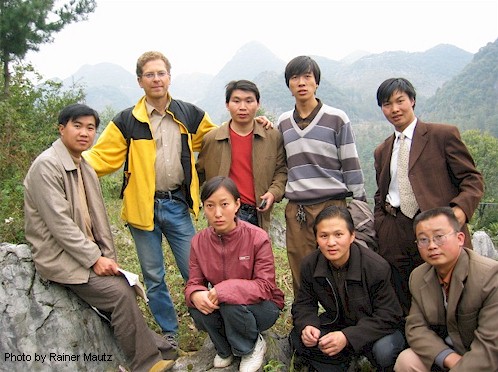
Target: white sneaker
(220, 362)
(253, 361)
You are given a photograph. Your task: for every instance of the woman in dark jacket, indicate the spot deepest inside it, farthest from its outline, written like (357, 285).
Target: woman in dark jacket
(345, 305)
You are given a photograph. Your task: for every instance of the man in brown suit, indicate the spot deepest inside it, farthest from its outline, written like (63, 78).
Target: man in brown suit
(441, 172)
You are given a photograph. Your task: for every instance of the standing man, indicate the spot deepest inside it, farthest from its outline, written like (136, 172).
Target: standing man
(322, 161)
(67, 226)
(421, 166)
(452, 320)
(156, 140)
(254, 158)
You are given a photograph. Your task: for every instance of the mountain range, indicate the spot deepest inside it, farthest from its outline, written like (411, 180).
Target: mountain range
(349, 84)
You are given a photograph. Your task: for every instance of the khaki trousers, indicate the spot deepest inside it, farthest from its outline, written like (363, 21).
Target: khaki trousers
(408, 361)
(300, 239)
(112, 294)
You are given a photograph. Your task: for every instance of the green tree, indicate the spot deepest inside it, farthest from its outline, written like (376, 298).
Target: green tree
(28, 23)
(484, 149)
(28, 125)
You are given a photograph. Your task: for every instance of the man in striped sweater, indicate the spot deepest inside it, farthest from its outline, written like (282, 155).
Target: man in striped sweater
(322, 160)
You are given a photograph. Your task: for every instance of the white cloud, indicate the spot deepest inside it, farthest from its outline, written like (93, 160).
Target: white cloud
(201, 36)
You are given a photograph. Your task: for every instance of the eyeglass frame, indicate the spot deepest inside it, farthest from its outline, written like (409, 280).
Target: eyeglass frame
(152, 75)
(439, 240)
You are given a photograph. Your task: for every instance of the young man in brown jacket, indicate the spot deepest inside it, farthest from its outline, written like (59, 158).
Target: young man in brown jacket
(253, 157)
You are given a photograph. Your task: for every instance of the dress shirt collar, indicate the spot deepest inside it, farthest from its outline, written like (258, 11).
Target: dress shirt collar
(408, 132)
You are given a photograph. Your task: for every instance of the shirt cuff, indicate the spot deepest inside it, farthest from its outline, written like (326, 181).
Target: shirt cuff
(439, 361)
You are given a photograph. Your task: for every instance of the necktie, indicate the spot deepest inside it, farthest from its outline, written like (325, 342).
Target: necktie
(408, 203)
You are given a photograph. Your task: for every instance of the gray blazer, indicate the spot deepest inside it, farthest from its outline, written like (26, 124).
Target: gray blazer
(470, 318)
(53, 220)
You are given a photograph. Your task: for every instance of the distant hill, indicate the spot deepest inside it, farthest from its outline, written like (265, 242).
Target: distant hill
(249, 61)
(191, 87)
(349, 84)
(107, 84)
(470, 99)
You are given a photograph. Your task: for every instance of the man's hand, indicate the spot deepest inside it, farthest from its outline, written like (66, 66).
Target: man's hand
(270, 198)
(310, 336)
(332, 343)
(105, 267)
(202, 302)
(263, 120)
(451, 360)
(460, 215)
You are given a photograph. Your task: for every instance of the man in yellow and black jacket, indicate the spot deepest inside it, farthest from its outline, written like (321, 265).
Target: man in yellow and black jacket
(155, 141)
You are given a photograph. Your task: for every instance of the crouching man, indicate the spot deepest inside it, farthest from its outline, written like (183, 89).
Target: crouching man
(452, 319)
(346, 305)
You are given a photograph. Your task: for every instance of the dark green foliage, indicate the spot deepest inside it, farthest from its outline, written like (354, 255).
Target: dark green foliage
(470, 100)
(28, 125)
(26, 25)
(484, 148)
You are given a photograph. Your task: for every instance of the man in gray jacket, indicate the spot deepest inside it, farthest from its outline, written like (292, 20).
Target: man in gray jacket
(67, 226)
(452, 319)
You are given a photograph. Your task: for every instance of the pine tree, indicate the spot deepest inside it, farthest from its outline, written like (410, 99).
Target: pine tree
(26, 24)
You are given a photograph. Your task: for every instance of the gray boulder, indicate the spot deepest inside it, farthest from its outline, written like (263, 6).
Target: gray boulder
(45, 327)
(483, 245)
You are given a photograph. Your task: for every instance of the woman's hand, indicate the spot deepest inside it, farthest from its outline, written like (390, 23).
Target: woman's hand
(203, 303)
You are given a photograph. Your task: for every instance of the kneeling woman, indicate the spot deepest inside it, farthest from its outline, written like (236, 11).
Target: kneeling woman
(346, 304)
(231, 292)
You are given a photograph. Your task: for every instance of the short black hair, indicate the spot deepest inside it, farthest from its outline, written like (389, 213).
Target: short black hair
(334, 211)
(435, 212)
(245, 85)
(389, 86)
(76, 110)
(302, 65)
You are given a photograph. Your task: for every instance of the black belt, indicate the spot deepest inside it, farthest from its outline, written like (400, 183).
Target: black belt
(248, 208)
(393, 211)
(167, 194)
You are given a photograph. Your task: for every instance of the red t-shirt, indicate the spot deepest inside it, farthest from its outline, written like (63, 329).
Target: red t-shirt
(241, 167)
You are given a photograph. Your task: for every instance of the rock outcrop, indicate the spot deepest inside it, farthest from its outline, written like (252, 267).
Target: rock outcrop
(44, 326)
(483, 245)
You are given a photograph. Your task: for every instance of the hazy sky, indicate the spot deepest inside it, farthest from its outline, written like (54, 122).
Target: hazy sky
(201, 36)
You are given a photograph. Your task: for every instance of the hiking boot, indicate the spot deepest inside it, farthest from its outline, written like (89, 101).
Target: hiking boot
(220, 362)
(253, 361)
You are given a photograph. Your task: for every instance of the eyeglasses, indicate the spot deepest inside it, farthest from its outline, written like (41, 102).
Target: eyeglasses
(152, 75)
(437, 239)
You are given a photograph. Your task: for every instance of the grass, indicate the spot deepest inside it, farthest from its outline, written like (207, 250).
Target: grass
(190, 339)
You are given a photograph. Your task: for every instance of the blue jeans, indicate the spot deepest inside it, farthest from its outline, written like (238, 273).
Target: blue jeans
(171, 218)
(234, 329)
(250, 216)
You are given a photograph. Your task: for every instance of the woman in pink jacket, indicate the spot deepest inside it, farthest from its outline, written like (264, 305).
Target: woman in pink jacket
(231, 292)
